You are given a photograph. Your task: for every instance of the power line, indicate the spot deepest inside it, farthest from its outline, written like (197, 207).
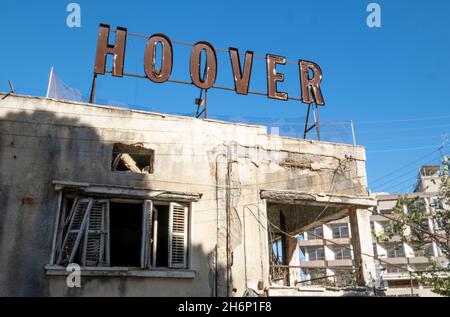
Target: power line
(431, 234)
(405, 129)
(403, 139)
(40, 148)
(164, 117)
(402, 149)
(405, 166)
(402, 120)
(411, 184)
(406, 173)
(178, 154)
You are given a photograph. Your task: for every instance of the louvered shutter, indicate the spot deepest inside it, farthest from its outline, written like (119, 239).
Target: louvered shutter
(95, 251)
(178, 235)
(147, 223)
(78, 222)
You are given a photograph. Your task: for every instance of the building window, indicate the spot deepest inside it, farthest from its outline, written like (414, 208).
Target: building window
(395, 250)
(396, 269)
(418, 205)
(277, 252)
(340, 231)
(422, 267)
(437, 203)
(313, 274)
(342, 253)
(110, 232)
(426, 250)
(316, 233)
(315, 253)
(132, 158)
(402, 283)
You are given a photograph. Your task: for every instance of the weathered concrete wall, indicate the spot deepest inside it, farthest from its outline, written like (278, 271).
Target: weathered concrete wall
(43, 140)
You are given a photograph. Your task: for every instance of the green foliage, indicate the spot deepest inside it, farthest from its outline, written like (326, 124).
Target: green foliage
(412, 226)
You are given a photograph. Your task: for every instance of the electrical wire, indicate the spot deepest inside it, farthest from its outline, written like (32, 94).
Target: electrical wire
(393, 172)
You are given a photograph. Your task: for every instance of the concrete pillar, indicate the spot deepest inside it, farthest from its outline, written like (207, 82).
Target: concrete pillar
(409, 251)
(328, 252)
(221, 262)
(327, 232)
(293, 259)
(362, 246)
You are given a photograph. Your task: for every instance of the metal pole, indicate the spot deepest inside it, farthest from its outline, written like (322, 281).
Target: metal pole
(353, 133)
(50, 78)
(228, 211)
(11, 87)
(316, 121)
(94, 84)
(205, 106)
(306, 122)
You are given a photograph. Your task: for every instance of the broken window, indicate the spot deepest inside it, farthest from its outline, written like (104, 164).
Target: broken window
(132, 158)
(122, 233)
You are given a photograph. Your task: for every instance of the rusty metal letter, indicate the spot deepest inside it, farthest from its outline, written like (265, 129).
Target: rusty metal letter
(163, 74)
(104, 48)
(310, 87)
(210, 72)
(241, 79)
(273, 77)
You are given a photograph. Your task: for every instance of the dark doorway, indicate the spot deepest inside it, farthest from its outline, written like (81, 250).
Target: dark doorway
(126, 234)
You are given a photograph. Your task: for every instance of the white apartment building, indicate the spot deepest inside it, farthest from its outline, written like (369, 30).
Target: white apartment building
(326, 251)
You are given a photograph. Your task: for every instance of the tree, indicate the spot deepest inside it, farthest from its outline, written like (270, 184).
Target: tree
(413, 227)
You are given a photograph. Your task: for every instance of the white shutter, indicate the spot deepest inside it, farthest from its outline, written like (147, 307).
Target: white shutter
(178, 217)
(147, 212)
(75, 231)
(95, 251)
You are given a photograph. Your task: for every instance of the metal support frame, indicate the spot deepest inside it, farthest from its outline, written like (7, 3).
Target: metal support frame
(316, 124)
(93, 87)
(202, 104)
(11, 88)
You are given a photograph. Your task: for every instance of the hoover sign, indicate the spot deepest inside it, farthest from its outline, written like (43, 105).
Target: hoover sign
(204, 77)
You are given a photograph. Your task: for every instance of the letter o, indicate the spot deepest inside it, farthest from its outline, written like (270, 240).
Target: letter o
(152, 73)
(211, 65)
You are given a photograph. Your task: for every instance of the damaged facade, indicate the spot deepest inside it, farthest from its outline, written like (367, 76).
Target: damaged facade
(160, 205)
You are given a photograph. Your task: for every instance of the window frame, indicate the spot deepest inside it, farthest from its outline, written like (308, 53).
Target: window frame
(398, 250)
(339, 228)
(62, 210)
(314, 250)
(340, 250)
(314, 235)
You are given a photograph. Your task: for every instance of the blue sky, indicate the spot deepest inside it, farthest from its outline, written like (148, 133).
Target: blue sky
(391, 81)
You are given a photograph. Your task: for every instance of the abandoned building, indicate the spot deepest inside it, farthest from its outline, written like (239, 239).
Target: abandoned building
(151, 204)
